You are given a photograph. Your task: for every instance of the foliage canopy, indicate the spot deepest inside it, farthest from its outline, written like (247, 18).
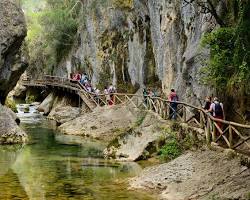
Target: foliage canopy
(52, 28)
(229, 65)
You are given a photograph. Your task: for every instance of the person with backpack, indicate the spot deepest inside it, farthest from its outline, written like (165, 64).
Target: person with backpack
(111, 91)
(217, 110)
(173, 98)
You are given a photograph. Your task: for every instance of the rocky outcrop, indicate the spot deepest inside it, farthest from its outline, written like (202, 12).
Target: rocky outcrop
(197, 175)
(47, 104)
(104, 123)
(64, 114)
(10, 132)
(133, 144)
(12, 33)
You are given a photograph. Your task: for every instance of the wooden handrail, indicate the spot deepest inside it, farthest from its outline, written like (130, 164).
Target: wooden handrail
(157, 104)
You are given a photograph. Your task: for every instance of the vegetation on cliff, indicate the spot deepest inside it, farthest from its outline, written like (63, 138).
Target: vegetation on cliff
(228, 70)
(52, 27)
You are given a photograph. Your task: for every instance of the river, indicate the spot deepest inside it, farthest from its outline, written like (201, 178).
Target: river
(54, 166)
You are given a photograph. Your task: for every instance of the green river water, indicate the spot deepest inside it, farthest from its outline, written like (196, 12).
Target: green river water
(53, 166)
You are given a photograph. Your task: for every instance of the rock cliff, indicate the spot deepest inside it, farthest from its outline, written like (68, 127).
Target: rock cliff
(12, 33)
(12, 65)
(152, 43)
(142, 43)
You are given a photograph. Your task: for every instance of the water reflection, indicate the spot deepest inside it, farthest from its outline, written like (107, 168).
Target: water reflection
(47, 168)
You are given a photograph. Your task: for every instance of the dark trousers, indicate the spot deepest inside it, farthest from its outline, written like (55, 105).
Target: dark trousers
(172, 110)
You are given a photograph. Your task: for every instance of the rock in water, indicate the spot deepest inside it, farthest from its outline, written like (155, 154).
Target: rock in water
(12, 33)
(10, 133)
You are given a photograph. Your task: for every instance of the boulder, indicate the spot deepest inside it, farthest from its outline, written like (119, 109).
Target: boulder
(10, 132)
(133, 145)
(47, 104)
(104, 123)
(64, 114)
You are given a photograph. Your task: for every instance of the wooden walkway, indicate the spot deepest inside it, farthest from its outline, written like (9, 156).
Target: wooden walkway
(235, 136)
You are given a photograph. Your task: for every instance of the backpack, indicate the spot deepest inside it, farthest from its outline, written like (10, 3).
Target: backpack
(218, 110)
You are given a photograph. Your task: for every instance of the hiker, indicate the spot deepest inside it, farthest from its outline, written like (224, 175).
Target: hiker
(106, 93)
(88, 86)
(77, 77)
(173, 98)
(208, 103)
(145, 95)
(216, 108)
(96, 96)
(84, 78)
(111, 91)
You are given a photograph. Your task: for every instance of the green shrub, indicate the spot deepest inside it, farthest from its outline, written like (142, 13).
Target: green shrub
(170, 150)
(30, 99)
(11, 104)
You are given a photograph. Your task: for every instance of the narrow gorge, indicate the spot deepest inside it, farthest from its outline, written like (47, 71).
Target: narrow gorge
(106, 99)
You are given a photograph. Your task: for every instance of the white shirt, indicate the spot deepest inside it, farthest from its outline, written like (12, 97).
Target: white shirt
(213, 107)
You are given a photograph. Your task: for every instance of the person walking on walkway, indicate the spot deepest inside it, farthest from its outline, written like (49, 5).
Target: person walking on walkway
(173, 98)
(107, 95)
(217, 110)
(145, 96)
(208, 102)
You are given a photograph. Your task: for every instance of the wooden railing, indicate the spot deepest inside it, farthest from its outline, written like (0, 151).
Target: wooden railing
(229, 134)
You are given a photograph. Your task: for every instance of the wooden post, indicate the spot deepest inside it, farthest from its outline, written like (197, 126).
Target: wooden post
(164, 110)
(184, 114)
(214, 132)
(230, 137)
(208, 131)
(168, 108)
(201, 119)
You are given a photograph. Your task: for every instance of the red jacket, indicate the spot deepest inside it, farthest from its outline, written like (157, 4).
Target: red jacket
(172, 95)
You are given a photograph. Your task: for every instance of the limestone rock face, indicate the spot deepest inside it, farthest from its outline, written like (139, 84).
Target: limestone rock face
(12, 33)
(156, 41)
(10, 133)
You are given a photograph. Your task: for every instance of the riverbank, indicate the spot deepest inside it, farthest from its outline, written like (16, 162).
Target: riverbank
(202, 174)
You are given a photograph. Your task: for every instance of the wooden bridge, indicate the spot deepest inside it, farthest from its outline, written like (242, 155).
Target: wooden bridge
(234, 135)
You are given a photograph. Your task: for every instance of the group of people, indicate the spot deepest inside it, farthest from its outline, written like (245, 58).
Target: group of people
(85, 81)
(212, 106)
